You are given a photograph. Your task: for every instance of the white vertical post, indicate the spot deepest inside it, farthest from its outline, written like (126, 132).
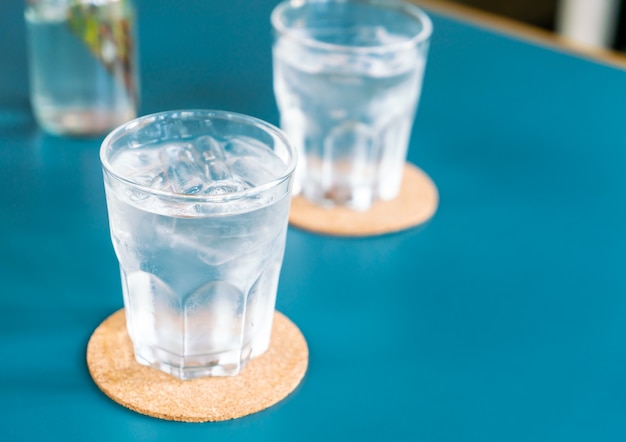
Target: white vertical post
(591, 22)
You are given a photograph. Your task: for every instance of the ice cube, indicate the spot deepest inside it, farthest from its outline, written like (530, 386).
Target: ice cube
(245, 146)
(209, 148)
(153, 178)
(142, 167)
(252, 161)
(213, 158)
(224, 187)
(129, 162)
(253, 171)
(182, 167)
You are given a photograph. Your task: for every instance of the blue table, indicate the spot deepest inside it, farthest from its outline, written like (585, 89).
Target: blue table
(503, 319)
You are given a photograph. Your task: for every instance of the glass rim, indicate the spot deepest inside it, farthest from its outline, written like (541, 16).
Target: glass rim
(414, 12)
(131, 125)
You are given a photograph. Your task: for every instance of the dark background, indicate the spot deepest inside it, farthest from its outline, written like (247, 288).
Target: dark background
(540, 13)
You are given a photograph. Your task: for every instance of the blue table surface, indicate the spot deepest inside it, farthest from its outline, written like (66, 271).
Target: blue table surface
(502, 319)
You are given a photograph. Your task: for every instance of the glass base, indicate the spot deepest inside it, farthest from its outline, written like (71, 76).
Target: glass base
(192, 367)
(81, 122)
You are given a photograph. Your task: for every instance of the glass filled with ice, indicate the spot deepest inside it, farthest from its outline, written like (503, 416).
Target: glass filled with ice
(347, 80)
(198, 205)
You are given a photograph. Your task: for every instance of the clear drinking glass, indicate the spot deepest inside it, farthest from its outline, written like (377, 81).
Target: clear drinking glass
(347, 79)
(82, 59)
(198, 206)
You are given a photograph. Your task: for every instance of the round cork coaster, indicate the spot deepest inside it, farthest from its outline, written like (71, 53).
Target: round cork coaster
(415, 204)
(263, 382)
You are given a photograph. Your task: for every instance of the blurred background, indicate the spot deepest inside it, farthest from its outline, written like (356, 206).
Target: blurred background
(594, 24)
(541, 13)
(597, 24)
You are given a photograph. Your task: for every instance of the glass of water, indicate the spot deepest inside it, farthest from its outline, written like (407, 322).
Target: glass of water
(82, 60)
(198, 205)
(347, 80)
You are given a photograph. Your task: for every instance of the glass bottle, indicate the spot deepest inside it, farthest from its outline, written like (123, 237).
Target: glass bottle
(82, 59)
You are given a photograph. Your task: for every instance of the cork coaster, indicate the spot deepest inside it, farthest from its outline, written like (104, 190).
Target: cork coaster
(415, 204)
(263, 382)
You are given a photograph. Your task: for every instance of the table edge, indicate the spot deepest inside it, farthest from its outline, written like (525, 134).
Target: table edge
(522, 31)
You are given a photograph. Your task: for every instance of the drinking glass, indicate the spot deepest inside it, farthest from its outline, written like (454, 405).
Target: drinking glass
(347, 80)
(83, 64)
(198, 203)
